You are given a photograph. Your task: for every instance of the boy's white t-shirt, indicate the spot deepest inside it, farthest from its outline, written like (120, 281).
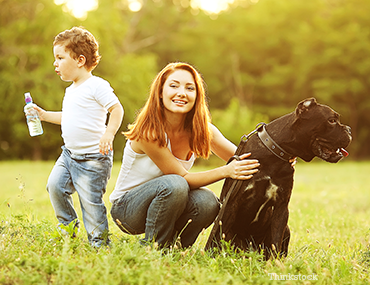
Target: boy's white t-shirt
(84, 114)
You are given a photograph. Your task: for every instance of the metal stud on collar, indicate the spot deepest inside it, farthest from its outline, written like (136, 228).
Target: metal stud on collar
(272, 145)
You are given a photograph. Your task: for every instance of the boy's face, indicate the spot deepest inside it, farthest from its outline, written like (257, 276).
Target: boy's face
(65, 66)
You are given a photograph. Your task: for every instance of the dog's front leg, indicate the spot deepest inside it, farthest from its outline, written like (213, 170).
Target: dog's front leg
(278, 224)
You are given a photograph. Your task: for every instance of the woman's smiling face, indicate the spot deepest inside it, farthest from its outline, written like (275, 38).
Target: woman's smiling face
(179, 92)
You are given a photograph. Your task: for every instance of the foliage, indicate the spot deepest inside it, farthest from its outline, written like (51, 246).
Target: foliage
(267, 54)
(273, 54)
(26, 65)
(328, 220)
(241, 118)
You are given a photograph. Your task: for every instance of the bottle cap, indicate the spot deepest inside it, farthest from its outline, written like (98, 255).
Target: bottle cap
(27, 97)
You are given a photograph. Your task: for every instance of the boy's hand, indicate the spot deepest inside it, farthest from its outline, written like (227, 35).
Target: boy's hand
(106, 143)
(40, 112)
(47, 116)
(115, 119)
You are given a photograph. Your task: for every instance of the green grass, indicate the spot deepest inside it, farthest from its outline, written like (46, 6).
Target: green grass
(329, 221)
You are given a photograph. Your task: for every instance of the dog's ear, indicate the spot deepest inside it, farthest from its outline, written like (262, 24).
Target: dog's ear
(304, 106)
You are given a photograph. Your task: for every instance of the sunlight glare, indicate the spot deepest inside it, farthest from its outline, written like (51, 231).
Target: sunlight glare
(212, 6)
(78, 8)
(135, 5)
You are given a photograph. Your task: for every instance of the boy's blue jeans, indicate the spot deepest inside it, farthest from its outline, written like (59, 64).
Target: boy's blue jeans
(87, 175)
(162, 207)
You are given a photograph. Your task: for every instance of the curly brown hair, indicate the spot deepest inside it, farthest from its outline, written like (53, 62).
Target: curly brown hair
(78, 41)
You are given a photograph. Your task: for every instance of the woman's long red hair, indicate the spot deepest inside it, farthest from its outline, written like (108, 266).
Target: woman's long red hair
(150, 122)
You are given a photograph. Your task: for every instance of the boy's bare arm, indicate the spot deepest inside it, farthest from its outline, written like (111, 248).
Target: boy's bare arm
(115, 121)
(48, 116)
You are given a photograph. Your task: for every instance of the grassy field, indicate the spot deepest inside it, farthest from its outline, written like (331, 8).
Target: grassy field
(329, 221)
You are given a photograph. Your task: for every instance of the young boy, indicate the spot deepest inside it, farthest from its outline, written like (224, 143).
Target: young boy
(86, 160)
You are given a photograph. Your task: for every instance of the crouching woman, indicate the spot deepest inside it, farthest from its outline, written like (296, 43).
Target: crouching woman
(155, 193)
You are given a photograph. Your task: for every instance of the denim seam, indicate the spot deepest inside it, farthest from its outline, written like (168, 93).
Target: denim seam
(160, 208)
(119, 203)
(71, 212)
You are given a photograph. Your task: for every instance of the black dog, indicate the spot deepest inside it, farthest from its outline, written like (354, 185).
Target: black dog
(255, 212)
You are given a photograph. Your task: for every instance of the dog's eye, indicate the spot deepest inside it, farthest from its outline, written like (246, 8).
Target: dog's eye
(333, 121)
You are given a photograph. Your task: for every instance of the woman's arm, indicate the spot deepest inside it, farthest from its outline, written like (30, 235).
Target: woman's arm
(165, 160)
(220, 145)
(225, 149)
(241, 170)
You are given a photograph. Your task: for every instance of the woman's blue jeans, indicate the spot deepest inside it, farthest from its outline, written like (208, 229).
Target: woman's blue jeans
(162, 207)
(87, 175)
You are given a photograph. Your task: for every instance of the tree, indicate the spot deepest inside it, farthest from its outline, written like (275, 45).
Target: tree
(263, 57)
(27, 31)
(273, 54)
(26, 65)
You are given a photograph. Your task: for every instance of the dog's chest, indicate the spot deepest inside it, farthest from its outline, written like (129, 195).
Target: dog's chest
(262, 192)
(262, 187)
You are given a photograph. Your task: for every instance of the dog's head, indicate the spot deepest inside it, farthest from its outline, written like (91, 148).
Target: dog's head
(319, 126)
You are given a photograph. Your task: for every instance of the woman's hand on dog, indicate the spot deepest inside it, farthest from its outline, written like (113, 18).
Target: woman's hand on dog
(242, 169)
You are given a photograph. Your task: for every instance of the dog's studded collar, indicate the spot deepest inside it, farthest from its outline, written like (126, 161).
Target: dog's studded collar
(272, 145)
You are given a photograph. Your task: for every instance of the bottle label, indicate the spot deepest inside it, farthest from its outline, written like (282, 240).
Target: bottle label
(31, 118)
(33, 121)
(34, 126)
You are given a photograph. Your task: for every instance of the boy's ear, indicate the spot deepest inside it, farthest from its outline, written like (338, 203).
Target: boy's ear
(81, 60)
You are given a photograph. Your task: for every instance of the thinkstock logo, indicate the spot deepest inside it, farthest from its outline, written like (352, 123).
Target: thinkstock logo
(275, 276)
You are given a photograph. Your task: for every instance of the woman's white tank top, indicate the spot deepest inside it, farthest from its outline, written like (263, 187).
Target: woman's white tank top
(138, 168)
